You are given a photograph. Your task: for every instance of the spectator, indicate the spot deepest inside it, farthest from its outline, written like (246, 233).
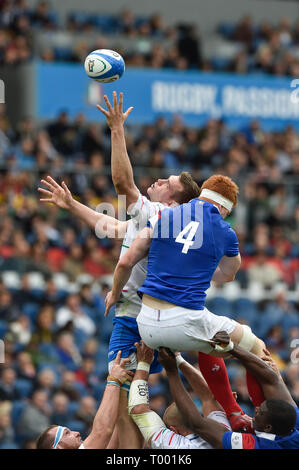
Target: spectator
(74, 314)
(35, 417)
(8, 390)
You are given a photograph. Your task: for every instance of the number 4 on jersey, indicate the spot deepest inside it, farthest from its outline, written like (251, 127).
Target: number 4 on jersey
(188, 241)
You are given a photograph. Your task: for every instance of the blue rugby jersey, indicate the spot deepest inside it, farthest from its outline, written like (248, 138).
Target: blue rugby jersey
(188, 243)
(262, 440)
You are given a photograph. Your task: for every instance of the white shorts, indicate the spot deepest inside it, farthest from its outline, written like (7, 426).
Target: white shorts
(181, 329)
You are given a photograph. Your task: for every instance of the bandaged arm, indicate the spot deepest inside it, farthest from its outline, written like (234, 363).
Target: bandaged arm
(147, 420)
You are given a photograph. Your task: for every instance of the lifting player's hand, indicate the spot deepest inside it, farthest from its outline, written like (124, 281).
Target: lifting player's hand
(115, 116)
(167, 359)
(144, 353)
(109, 302)
(221, 338)
(56, 194)
(119, 371)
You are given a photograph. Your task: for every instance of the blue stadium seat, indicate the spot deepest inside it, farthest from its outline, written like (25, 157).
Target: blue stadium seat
(3, 329)
(62, 53)
(245, 308)
(31, 310)
(80, 338)
(76, 425)
(17, 410)
(73, 407)
(226, 29)
(24, 387)
(98, 390)
(220, 63)
(9, 445)
(106, 23)
(222, 306)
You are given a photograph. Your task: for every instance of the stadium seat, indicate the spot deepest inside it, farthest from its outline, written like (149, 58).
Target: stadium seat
(11, 279)
(222, 306)
(76, 425)
(245, 308)
(72, 408)
(31, 310)
(106, 23)
(226, 30)
(17, 410)
(24, 387)
(62, 53)
(98, 390)
(3, 329)
(9, 445)
(36, 280)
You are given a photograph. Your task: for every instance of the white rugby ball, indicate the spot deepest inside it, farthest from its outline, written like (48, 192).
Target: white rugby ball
(104, 65)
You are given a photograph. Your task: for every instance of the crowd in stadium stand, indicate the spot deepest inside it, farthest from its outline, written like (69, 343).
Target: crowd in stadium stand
(263, 47)
(55, 272)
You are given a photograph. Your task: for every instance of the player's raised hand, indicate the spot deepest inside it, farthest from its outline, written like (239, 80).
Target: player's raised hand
(119, 371)
(144, 353)
(56, 194)
(167, 359)
(109, 302)
(114, 114)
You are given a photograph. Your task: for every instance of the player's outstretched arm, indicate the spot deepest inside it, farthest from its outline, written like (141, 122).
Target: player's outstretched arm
(208, 429)
(105, 419)
(121, 168)
(137, 251)
(270, 381)
(198, 385)
(227, 269)
(60, 195)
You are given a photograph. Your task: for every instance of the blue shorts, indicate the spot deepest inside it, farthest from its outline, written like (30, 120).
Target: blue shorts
(125, 333)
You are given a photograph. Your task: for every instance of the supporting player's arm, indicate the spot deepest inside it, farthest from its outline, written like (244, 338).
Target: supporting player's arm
(106, 416)
(121, 168)
(198, 385)
(147, 420)
(62, 197)
(227, 269)
(270, 381)
(137, 251)
(209, 430)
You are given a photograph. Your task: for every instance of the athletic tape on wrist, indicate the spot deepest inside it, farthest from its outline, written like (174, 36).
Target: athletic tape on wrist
(143, 366)
(138, 394)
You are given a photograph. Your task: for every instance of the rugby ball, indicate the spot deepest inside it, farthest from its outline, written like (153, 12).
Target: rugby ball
(104, 65)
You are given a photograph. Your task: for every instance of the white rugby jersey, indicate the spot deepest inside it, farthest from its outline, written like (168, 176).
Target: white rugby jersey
(167, 439)
(130, 303)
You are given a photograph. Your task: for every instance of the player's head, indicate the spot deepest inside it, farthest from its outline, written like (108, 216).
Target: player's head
(175, 189)
(59, 437)
(174, 420)
(275, 416)
(221, 190)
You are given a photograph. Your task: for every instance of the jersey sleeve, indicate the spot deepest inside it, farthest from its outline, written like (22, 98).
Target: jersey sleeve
(167, 439)
(142, 210)
(153, 220)
(231, 244)
(237, 440)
